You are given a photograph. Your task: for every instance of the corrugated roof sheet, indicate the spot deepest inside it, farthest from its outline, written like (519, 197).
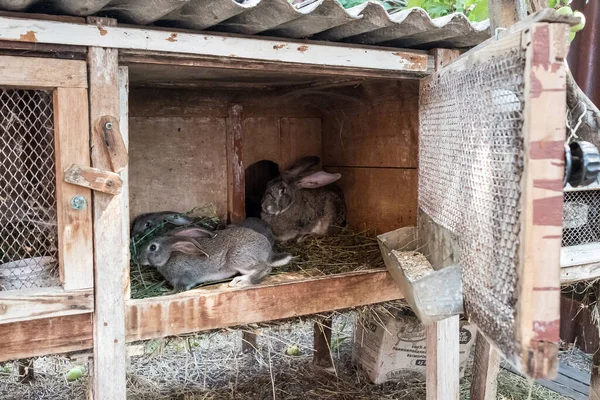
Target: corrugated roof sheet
(368, 23)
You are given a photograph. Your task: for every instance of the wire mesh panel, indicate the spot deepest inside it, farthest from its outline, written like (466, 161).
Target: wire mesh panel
(470, 167)
(28, 220)
(581, 218)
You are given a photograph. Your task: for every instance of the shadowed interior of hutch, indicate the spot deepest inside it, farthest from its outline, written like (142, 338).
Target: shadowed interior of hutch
(364, 129)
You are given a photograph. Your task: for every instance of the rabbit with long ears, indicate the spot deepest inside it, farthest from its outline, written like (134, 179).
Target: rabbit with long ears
(304, 201)
(258, 225)
(190, 257)
(149, 220)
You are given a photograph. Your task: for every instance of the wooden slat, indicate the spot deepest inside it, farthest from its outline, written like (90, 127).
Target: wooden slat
(110, 251)
(23, 72)
(443, 364)
(322, 342)
(123, 81)
(486, 366)
(72, 143)
(107, 127)
(29, 304)
(538, 306)
(94, 178)
(580, 255)
(504, 13)
(235, 166)
(300, 137)
(226, 47)
(203, 309)
(580, 273)
(40, 337)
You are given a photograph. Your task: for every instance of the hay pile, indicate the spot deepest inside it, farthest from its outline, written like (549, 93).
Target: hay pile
(345, 252)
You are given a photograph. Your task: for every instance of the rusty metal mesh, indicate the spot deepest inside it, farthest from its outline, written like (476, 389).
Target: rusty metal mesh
(470, 165)
(28, 229)
(581, 218)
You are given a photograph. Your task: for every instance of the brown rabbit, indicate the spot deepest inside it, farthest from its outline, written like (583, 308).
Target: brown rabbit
(191, 257)
(304, 201)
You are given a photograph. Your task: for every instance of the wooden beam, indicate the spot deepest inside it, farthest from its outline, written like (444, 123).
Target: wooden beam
(206, 309)
(236, 198)
(218, 46)
(443, 363)
(577, 273)
(580, 255)
(123, 82)
(72, 144)
(486, 366)
(44, 73)
(28, 304)
(94, 178)
(537, 318)
(110, 251)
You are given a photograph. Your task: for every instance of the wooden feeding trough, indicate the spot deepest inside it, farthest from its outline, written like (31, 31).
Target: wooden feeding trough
(145, 119)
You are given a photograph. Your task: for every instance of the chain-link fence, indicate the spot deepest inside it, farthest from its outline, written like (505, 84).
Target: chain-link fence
(28, 228)
(581, 217)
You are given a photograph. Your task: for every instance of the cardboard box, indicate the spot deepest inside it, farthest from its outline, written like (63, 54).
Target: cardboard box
(393, 348)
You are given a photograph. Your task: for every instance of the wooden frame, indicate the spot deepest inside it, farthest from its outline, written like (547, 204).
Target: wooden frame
(222, 47)
(68, 81)
(184, 312)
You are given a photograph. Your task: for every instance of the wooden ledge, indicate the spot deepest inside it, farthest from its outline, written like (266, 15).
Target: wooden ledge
(282, 296)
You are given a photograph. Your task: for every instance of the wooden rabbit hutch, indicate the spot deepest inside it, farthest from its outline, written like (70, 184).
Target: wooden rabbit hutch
(106, 121)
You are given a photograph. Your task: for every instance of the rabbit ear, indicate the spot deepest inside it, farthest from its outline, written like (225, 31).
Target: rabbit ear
(301, 165)
(317, 180)
(188, 246)
(194, 233)
(176, 218)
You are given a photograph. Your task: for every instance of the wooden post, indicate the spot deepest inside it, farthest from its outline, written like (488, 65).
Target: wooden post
(504, 13)
(123, 82)
(438, 244)
(235, 166)
(110, 249)
(595, 379)
(486, 366)
(322, 343)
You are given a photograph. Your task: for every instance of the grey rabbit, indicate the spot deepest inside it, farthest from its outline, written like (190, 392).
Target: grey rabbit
(259, 226)
(304, 201)
(190, 257)
(146, 221)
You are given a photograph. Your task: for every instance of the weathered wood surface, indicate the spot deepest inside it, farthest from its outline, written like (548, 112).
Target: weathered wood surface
(110, 251)
(236, 187)
(486, 365)
(123, 82)
(108, 130)
(23, 72)
(580, 273)
(537, 318)
(71, 146)
(215, 46)
(29, 304)
(443, 364)
(204, 309)
(504, 13)
(322, 342)
(580, 255)
(299, 137)
(94, 178)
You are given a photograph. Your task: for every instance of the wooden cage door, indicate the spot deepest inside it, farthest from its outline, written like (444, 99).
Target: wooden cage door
(46, 261)
(491, 167)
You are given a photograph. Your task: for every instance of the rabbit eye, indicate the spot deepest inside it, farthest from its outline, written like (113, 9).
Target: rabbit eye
(148, 224)
(282, 190)
(153, 247)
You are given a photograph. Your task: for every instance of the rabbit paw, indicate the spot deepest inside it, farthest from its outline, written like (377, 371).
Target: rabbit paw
(240, 281)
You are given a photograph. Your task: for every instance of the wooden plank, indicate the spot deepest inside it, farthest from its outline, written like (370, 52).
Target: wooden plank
(486, 365)
(107, 127)
(123, 82)
(580, 255)
(236, 199)
(202, 309)
(72, 143)
(362, 134)
(443, 363)
(110, 251)
(580, 273)
(228, 47)
(322, 342)
(443, 57)
(538, 307)
(299, 137)
(94, 178)
(177, 164)
(391, 192)
(23, 72)
(261, 140)
(39, 337)
(28, 304)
